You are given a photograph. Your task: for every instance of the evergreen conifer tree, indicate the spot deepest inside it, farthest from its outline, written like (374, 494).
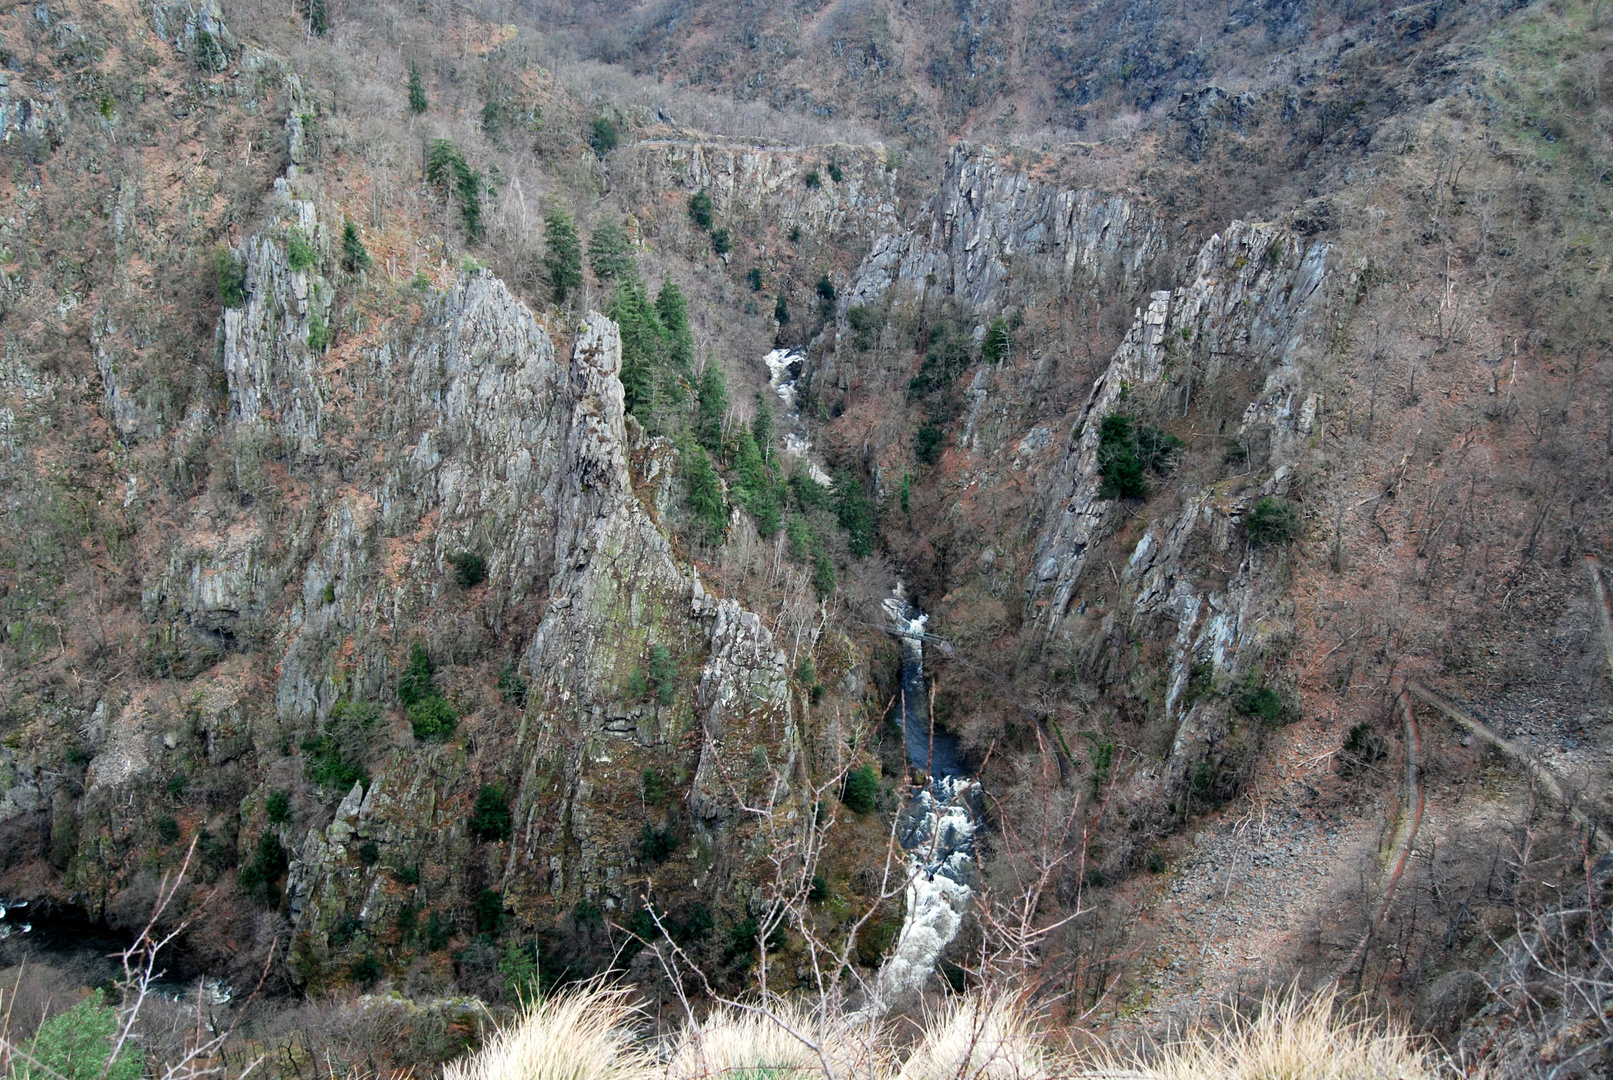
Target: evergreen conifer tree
(562, 255)
(417, 91)
(354, 258)
(610, 255)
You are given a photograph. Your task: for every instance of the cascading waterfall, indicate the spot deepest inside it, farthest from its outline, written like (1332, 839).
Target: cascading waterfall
(937, 827)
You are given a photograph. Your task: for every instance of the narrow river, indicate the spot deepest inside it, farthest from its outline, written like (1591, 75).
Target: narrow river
(936, 827)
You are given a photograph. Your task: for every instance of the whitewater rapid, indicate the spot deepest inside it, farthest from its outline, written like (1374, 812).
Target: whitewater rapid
(936, 828)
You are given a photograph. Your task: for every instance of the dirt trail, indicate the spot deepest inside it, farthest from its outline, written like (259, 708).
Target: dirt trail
(1407, 833)
(1541, 775)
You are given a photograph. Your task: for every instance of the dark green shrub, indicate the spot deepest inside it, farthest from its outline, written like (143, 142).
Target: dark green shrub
(490, 819)
(655, 787)
(1155, 861)
(354, 256)
(562, 253)
(369, 853)
(167, 830)
(417, 90)
(834, 171)
(407, 875)
(1361, 747)
(1127, 453)
(862, 785)
(819, 890)
(318, 20)
(325, 762)
(407, 921)
(826, 296)
(511, 687)
(231, 278)
(866, 323)
(278, 807)
(269, 864)
(721, 244)
(781, 311)
(657, 845)
(300, 251)
(437, 933)
(586, 914)
(489, 911)
(603, 136)
(997, 343)
(318, 332)
(1272, 522)
(216, 855)
(177, 784)
(1260, 702)
(813, 180)
(795, 234)
(366, 970)
(753, 278)
(1093, 878)
(929, 442)
(492, 119)
(432, 718)
(470, 569)
(698, 926)
(823, 569)
(663, 674)
(700, 209)
(210, 55)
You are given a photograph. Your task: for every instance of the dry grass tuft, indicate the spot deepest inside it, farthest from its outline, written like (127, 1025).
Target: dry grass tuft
(981, 1037)
(581, 1034)
(585, 1035)
(1295, 1040)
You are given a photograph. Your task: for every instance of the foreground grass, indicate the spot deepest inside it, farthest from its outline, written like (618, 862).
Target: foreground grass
(587, 1034)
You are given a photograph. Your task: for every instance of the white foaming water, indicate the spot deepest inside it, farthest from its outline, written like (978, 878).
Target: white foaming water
(937, 831)
(796, 444)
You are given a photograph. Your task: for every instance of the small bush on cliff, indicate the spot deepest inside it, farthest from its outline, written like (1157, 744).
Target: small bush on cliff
(432, 718)
(663, 674)
(862, 785)
(855, 513)
(470, 569)
(300, 251)
(781, 311)
(721, 242)
(269, 864)
(490, 819)
(511, 687)
(1272, 523)
(603, 135)
(655, 787)
(1260, 702)
(1127, 453)
(657, 845)
(231, 278)
(278, 807)
(997, 342)
(700, 209)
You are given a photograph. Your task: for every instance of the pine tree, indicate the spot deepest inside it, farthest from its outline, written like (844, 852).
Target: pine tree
(610, 255)
(417, 91)
(706, 505)
(674, 312)
(642, 341)
(354, 258)
(713, 407)
(562, 256)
